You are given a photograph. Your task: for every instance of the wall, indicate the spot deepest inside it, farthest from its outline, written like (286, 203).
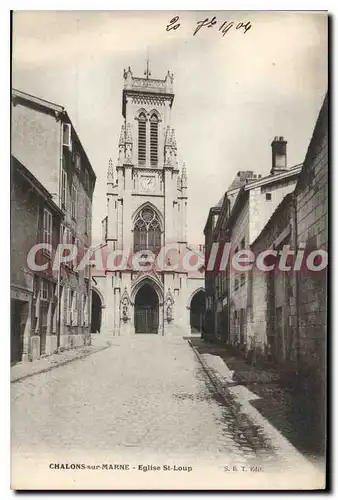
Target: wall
(312, 229)
(36, 142)
(261, 209)
(238, 297)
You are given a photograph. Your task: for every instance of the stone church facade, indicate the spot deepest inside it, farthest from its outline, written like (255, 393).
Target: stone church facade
(147, 201)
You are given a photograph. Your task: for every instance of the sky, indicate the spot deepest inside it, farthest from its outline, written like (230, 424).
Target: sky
(233, 93)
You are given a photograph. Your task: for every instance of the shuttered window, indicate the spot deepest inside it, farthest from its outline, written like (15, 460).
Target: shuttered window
(154, 140)
(142, 139)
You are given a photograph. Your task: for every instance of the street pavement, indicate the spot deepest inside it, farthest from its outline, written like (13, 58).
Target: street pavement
(145, 396)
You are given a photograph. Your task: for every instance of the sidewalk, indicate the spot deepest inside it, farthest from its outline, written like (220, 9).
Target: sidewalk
(286, 411)
(27, 369)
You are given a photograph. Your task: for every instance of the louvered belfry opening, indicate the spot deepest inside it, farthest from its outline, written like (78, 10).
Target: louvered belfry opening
(147, 231)
(153, 140)
(142, 139)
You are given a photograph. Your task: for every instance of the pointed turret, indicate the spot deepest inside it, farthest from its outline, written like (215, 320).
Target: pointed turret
(184, 176)
(173, 139)
(167, 137)
(129, 144)
(110, 174)
(129, 137)
(128, 77)
(122, 135)
(122, 145)
(179, 182)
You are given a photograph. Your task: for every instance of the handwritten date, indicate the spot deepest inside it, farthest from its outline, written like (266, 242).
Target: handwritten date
(226, 26)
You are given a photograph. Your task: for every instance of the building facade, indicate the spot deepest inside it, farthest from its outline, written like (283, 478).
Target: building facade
(34, 218)
(147, 202)
(45, 141)
(272, 332)
(311, 225)
(245, 209)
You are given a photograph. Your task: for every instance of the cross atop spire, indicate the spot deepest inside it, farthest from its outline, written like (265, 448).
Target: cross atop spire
(147, 72)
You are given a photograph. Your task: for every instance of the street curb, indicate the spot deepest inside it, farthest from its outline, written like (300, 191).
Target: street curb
(62, 363)
(232, 402)
(221, 388)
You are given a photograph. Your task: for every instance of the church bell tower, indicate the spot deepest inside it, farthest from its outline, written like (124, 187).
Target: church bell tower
(146, 208)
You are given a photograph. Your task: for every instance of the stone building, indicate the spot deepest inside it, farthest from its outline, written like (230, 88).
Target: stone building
(44, 140)
(147, 202)
(216, 279)
(311, 199)
(246, 208)
(272, 294)
(35, 217)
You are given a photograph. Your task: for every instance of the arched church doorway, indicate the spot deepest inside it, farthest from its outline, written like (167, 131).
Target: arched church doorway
(96, 313)
(146, 310)
(197, 312)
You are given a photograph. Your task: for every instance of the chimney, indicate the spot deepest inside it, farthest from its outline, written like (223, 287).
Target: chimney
(278, 147)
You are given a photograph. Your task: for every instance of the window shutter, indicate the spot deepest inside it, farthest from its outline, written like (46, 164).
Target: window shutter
(85, 311)
(66, 135)
(74, 322)
(69, 306)
(142, 139)
(154, 140)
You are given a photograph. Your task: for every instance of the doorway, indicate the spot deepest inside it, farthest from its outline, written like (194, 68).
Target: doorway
(96, 313)
(197, 312)
(19, 316)
(146, 310)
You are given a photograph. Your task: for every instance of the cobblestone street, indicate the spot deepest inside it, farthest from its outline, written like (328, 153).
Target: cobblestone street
(145, 396)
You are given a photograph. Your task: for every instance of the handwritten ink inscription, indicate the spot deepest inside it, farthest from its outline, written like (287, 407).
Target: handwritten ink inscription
(173, 24)
(224, 27)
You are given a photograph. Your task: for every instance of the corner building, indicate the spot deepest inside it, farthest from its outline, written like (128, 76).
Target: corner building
(147, 208)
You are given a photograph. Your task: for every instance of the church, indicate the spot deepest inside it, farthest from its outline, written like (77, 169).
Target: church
(147, 201)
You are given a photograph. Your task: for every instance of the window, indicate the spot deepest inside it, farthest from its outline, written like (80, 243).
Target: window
(63, 188)
(47, 227)
(236, 283)
(66, 135)
(44, 290)
(142, 138)
(147, 231)
(153, 140)
(78, 162)
(268, 196)
(74, 201)
(242, 279)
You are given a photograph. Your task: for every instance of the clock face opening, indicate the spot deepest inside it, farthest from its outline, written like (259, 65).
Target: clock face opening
(148, 183)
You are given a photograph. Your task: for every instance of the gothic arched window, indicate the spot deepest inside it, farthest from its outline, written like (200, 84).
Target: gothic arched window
(147, 231)
(153, 140)
(142, 138)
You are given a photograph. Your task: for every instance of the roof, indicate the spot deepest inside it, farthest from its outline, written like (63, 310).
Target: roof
(36, 184)
(244, 191)
(56, 110)
(320, 130)
(47, 105)
(212, 211)
(220, 203)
